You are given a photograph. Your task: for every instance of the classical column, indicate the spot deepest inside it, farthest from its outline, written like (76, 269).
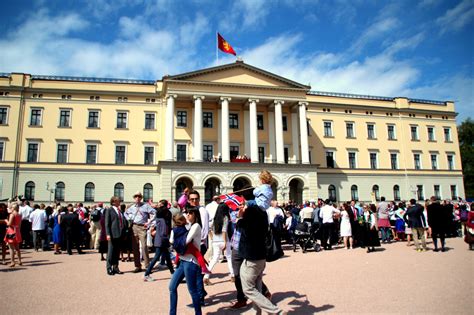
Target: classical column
(271, 137)
(169, 131)
(303, 133)
(279, 132)
(225, 129)
(295, 137)
(253, 131)
(197, 134)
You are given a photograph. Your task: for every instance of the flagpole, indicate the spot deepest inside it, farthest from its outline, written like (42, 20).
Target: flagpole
(217, 52)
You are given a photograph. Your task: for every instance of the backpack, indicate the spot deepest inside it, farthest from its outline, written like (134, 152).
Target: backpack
(95, 215)
(463, 213)
(179, 243)
(273, 248)
(278, 223)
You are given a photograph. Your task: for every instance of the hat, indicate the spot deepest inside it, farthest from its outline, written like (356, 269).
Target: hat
(138, 193)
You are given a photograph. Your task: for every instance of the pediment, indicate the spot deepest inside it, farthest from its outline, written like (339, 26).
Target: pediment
(238, 73)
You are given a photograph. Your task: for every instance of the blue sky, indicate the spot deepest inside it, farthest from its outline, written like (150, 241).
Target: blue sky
(418, 49)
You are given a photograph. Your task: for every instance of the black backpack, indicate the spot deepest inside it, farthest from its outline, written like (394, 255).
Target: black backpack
(95, 215)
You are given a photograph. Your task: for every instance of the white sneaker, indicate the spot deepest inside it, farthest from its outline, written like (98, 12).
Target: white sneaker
(148, 279)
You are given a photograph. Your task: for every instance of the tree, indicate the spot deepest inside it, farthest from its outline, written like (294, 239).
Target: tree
(466, 144)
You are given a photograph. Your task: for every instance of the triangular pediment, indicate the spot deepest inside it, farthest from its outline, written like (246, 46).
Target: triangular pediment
(238, 73)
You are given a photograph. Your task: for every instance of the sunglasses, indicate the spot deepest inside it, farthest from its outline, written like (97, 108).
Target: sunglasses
(193, 199)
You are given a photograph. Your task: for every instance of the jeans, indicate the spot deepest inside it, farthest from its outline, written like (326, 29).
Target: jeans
(192, 272)
(164, 252)
(39, 235)
(385, 234)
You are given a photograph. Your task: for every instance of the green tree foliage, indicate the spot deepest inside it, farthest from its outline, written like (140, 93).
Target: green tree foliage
(466, 143)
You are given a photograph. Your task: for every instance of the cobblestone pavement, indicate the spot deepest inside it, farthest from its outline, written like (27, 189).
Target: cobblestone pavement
(394, 279)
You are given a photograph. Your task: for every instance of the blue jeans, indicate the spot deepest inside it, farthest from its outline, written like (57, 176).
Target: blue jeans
(192, 272)
(164, 252)
(385, 233)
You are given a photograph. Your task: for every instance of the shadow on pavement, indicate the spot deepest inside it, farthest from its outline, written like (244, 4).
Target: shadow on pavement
(299, 304)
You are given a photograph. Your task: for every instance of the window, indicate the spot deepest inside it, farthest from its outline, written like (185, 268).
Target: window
(286, 155)
(394, 161)
(33, 149)
(118, 191)
(417, 161)
(354, 193)
(391, 132)
(260, 122)
(414, 133)
(350, 130)
(59, 191)
(329, 159)
(447, 134)
(328, 129)
(437, 192)
(61, 156)
(431, 134)
(93, 119)
(65, 118)
(450, 158)
(30, 191)
(419, 192)
(454, 192)
(396, 193)
(2, 150)
(434, 161)
(207, 152)
(149, 155)
(120, 154)
(376, 192)
(233, 121)
(261, 154)
(35, 119)
(121, 120)
(3, 115)
(284, 122)
(373, 160)
(234, 151)
(182, 118)
(147, 191)
(149, 121)
(308, 126)
(207, 120)
(370, 131)
(352, 160)
(332, 193)
(91, 155)
(89, 192)
(181, 152)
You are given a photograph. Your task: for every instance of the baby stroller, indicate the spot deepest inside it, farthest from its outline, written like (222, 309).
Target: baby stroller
(306, 235)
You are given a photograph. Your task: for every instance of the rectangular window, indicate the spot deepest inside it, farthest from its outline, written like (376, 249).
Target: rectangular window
(260, 122)
(394, 161)
(32, 152)
(65, 118)
(182, 118)
(91, 155)
(419, 192)
(284, 122)
(330, 159)
(261, 154)
(350, 130)
(391, 132)
(447, 134)
(2, 150)
(308, 126)
(373, 160)
(208, 152)
(434, 161)
(149, 121)
(120, 154)
(3, 115)
(437, 192)
(93, 119)
(149, 155)
(454, 192)
(352, 160)
(233, 121)
(286, 154)
(35, 119)
(122, 120)
(181, 152)
(414, 133)
(417, 161)
(234, 151)
(431, 134)
(450, 158)
(207, 120)
(328, 129)
(370, 131)
(62, 153)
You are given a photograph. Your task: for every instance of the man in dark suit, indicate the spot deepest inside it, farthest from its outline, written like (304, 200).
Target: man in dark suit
(71, 225)
(114, 227)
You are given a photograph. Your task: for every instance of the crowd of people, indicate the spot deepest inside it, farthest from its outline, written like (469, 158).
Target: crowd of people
(232, 228)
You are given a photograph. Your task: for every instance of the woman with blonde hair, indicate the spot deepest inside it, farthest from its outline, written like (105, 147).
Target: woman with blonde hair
(13, 234)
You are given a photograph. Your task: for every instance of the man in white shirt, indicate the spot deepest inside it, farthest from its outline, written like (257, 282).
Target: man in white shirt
(38, 220)
(327, 212)
(307, 212)
(25, 211)
(273, 211)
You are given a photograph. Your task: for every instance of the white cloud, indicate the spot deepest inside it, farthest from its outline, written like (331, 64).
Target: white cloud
(456, 18)
(375, 31)
(244, 14)
(428, 3)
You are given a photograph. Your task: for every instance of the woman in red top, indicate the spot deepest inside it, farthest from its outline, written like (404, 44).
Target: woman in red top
(469, 233)
(14, 224)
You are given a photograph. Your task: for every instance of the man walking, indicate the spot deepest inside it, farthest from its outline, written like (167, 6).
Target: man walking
(71, 226)
(327, 212)
(95, 228)
(114, 228)
(416, 221)
(38, 220)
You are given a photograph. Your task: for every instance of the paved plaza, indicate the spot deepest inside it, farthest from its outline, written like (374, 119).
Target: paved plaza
(394, 279)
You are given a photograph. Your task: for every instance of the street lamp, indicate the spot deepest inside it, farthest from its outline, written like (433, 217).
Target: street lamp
(51, 191)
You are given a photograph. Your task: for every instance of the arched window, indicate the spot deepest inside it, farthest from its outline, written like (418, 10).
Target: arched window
(354, 193)
(59, 191)
(89, 192)
(396, 193)
(30, 191)
(118, 191)
(376, 192)
(332, 193)
(147, 191)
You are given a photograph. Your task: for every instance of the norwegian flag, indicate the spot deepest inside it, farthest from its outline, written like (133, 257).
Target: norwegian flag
(232, 200)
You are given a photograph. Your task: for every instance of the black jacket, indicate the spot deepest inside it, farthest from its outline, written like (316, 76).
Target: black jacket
(253, 228)
(112, 223)
(415, 217)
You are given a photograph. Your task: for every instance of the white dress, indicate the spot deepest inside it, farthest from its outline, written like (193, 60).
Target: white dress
(345, 224)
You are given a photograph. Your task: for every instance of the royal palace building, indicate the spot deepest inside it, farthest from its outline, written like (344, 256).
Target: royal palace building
(86, 139)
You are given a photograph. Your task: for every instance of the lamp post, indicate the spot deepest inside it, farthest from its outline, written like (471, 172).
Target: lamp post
(51, 191)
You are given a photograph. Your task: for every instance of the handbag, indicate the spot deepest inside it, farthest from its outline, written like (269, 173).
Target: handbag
(273, 251)
(10, 233)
